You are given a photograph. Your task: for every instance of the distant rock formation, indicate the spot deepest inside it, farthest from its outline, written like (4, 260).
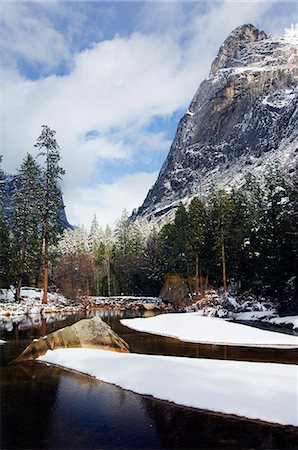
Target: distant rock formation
(87, 333)
(8, 187)
(243, 117)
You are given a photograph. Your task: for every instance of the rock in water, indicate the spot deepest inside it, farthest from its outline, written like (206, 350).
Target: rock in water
(88, 333)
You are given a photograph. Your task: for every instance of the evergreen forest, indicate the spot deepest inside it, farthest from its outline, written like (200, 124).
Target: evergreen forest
(243, 239)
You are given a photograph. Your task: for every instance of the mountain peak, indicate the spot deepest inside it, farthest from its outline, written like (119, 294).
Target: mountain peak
(242, 117)
(238, 39)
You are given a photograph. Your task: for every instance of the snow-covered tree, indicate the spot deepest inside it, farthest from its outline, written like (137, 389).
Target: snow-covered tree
(73, 241)
(52, 201)
(123, 237)
(27, 219)
(95, 235)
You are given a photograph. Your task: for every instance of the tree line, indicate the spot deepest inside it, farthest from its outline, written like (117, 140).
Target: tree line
(35, 222)
(244, 238)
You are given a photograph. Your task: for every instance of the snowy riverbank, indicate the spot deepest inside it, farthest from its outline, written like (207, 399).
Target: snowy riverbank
(245, 307)
(31, 304)
(262, 391)
(193, 327)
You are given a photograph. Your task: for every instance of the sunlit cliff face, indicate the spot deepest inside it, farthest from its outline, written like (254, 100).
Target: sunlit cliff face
(242, 116)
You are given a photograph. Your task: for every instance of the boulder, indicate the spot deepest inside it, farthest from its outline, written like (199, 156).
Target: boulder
(88, 333)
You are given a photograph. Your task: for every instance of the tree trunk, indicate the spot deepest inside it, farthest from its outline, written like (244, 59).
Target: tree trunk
(109, 275)
(224, 273)
(21, 274)
(197, 274)
(18, 289)
(201, 286)
(46, 260)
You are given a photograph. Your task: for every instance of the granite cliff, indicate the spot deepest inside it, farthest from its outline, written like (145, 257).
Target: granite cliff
(243, 117)
(8, 187)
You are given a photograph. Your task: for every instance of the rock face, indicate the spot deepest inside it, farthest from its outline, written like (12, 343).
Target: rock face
(243, 115)
(88, 333)
(8, 186)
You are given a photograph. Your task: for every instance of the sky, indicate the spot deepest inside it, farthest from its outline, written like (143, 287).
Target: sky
(113, 80)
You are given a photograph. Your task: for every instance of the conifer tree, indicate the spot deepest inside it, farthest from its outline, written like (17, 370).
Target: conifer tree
(221, 212)
(6, 255)
(27, 219)
(95, 235)
(52, 202)
(197, 230)
(5, 247)
(123, 234)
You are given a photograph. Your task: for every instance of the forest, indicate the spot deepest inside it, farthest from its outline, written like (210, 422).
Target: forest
(243, 239)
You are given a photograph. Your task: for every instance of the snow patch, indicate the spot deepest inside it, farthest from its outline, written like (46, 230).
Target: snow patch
(193, 327)
(262, 391)
(291, 34)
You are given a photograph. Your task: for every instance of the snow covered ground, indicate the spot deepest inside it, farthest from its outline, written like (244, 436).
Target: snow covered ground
(31, 303)
(194, 327)
(31, 306)
(288, 320)
(262, 391)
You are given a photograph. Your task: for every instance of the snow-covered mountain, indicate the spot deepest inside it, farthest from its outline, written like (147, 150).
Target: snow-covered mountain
(243, 117)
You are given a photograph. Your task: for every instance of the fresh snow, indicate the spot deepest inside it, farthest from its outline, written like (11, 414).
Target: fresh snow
(288, 320)
(193, 327)
(291, 34)
(262, 391)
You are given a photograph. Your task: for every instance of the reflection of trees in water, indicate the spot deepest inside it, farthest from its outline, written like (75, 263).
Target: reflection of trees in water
(28, 401)
(187, 428)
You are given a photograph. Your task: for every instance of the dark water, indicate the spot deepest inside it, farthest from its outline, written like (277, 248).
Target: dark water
(49, 408)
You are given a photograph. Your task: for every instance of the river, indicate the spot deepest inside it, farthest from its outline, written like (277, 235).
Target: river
(44, 407)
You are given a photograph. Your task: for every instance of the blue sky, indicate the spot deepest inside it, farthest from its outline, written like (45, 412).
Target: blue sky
(113, 79)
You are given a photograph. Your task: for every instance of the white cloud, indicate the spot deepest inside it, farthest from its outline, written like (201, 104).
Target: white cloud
(107, 201)
(114, 88)
(32, 37)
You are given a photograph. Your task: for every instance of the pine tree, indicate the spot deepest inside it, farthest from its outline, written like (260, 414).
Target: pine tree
(52, 202)
(123, 237)
(27, 219)
(221, 214)
(6, 256)
(5, 247)
(95, 235)
(197, 229)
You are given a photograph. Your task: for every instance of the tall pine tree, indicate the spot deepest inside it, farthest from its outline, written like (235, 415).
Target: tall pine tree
(197, 230)
(52, 199)
(221, 215)
(27, 219)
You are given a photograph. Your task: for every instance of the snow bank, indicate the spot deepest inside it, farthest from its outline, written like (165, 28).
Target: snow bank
(288, 320)
(193, 327)
(31, 305)
(2, 342)
(262, 391)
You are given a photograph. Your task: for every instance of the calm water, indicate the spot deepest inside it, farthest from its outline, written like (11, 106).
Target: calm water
(49, 408)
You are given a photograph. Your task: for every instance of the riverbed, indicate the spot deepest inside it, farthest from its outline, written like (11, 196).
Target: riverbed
(49, 408)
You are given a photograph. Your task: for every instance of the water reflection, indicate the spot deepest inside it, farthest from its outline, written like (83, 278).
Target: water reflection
(49, 408)
(28, 400)
(187, 428)
(144, 342)
(45, 407)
